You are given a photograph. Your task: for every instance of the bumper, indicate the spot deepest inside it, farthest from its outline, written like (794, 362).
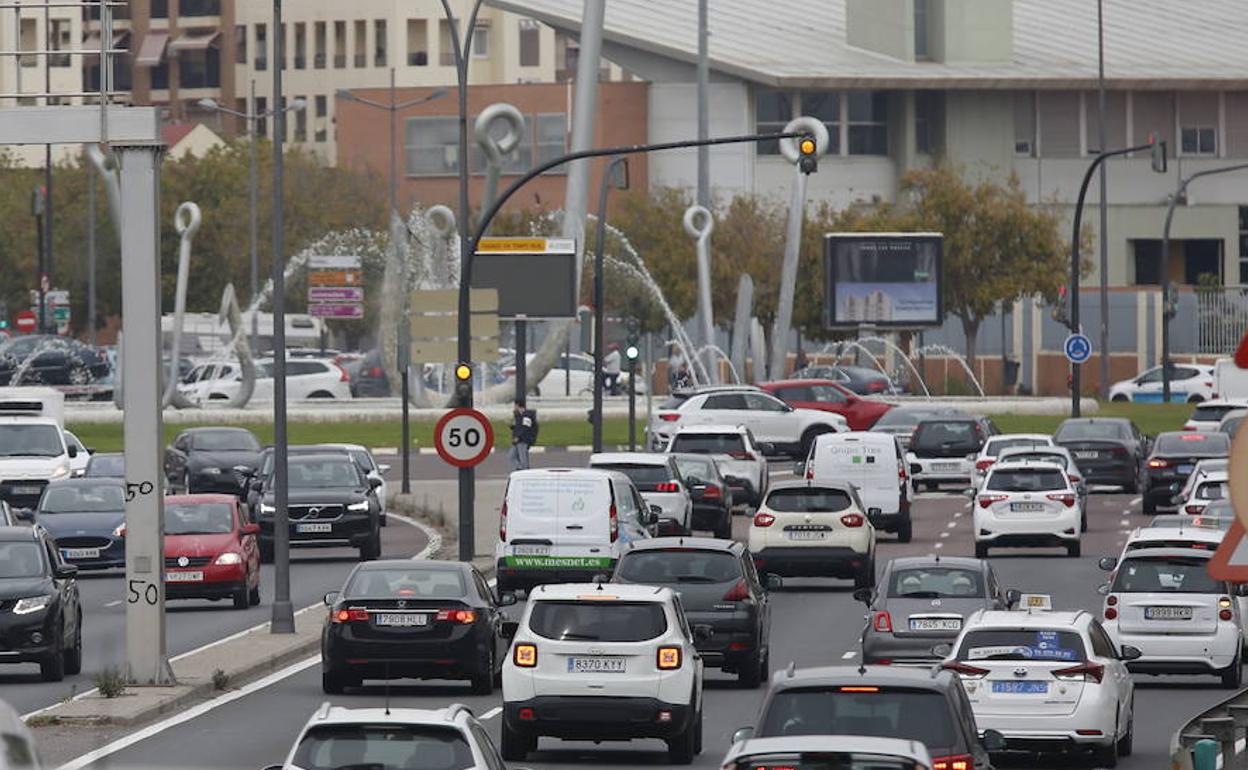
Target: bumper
(17, 638)
(928, 471)
(221, 483)
(1049, 531)
(1112, 474)
(709, 516)
(406, 657)
(1186, 654)
(903, 650)
(839, 562)
(597, 718)
(733, 641)
(1057, 732)
(348, 530)
(219, 582)
(891, 522)
(511, 578)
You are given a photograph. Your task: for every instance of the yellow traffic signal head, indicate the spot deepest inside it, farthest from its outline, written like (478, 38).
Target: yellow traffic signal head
(463, 372)
(807, 146)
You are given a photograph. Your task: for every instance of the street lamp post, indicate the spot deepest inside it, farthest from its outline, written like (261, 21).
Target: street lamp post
(600, 316)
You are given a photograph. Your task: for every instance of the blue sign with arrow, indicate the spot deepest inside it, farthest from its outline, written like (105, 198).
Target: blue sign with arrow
(1078, 348)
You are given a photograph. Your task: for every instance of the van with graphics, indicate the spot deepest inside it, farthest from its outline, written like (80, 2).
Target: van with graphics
(566, 525)
(875, 464)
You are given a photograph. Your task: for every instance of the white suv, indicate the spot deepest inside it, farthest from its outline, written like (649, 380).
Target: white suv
(737, 455)
(597, 662)
(392, 737)
(32, 453)
(815, 529)
(780, 428)
(1027, 504)
(995, 445)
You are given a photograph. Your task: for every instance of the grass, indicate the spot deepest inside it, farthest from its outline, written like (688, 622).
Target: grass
(1151, 418)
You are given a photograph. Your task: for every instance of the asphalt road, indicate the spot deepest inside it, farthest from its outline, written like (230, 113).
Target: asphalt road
(814, 622)
(190, 623)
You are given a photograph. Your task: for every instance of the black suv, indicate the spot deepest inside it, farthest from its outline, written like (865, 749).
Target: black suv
(718, 587)
(947, 447)
(330, 503)
(212, 460)
(878, 701)
(1172, 460)
(40, 615)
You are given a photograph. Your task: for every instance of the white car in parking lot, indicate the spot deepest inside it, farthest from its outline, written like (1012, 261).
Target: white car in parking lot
(814, 529)
(306, 378)
(659, 481)
(780, 428)
(1029, 504)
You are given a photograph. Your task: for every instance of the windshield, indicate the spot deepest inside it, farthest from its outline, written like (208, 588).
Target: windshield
(1193, 444)
(31, 441)
(1211, 490)
(225, 441)
(198, 518)
(1021, 644)
(935, 583)
(946, 434)
(1092, 431)
(808, 500)
(317, 474)
(383, 747)
(903, 418)
(708, 443)
(679, 566)
(416, 582)
(362, 459)
(1029, 480)
(819, 760)
(109, 465)
(1165, 574)
(1212, 413)
(920, 715)
(1035, 457)
(83, 498)
(696, 468)
(600, 621)
(21, 560)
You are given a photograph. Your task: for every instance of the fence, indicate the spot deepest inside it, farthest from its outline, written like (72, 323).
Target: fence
(1222, 318)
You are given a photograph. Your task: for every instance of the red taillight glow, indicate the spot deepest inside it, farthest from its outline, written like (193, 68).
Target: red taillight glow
(502, 523)
(1158, 463)
(668, 658)
(667, 486)
(882, 621)
(859, 688)
(963, 669)
(984, 464)
(615, 524)
(465, 617)
(353, 615)
(1111, 600)
(738, 593)
(764, 519)
(375, 372)
(1193, 437)
(711, 492)
(1194, 509)
(956, 762)
(810, 471)
(524, 655)
(987, 500)
(901, 472)
(1110, 613)
(852, 519)
(669, 416)
(343, 376)
(1067, 500)
(1093, 671)
(1225, 614)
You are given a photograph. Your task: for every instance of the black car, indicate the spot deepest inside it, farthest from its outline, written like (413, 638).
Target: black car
(425, 620)
(109, 465)
(1109, 450)
(860, 379)
(368, 377)
(946, 447)
(718, 587)
(331, 503)
(263, 477)
(1173, 457)
(40, 614)
(46, 359)
(86, 518)
(212, 460)
(709, 490)
(901, 421)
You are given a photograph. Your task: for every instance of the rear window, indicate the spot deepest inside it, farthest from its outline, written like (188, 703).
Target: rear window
(646, 477)
(1092, 431)
(1175, 542)
(1165, 574)
(708, 443)
(935, 583)
(1193, 444)
(1036, 457)
(679, 566)
(808, 500)
(598, 621)
(920, 715)
(225, 441)
(413, 583)
(995, 446)
(696, 467)
(1029, 480)
(383, 747)
(674, 401)
(1211, 490)
(84, 498)
(1021, 644)
(1212, 413)
(938, 434)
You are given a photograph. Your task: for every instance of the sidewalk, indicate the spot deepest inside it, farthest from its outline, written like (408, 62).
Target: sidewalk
(437, 502)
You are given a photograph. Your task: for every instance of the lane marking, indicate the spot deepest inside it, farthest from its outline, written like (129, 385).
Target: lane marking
(112, 603)
(1136, 500)
(491, 713)
(940, 545)
(1126, 514)
(958, 514)
(944, 535)
(951, 525)
(848, 655)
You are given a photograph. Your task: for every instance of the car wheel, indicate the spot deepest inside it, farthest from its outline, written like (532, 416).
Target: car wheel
(682, 747)
(1083, 522)
(1195, 400)
(52, 668)
(1125, 744)
(904, 531)
(79, 376)
(320, 394)
(516, 747)
(1232, 675)
(1119, 398)
(751, 674)
(1106, 756)
(241, 600)
(1074, 549)
(483, 682)
(697, 735)
(253, 596)
(332, 683)
(808, 439)
(981, 550)
(73, 656)
(866, 576)
(914, 487)
(1149, 507)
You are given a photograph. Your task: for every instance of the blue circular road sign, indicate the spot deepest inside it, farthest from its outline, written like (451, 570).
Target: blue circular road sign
(1078, 348)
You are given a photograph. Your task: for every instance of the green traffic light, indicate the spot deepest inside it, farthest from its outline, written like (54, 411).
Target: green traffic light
(631, 352)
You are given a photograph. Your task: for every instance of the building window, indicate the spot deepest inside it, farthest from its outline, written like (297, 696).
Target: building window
(1147, 261)
(772, 112)
(60, 41)
(301, 125)
(1025, 124)
(446, 45)
(262, 48)
(379, 43)
(516, 162)
(552, 133)
(868, 123)
(530, 43)
(417, 43)
(431, 145)
(1198, 120)
(1243, 245)
(922, 19)
(160, 9)
(1059, 123)
(824, 106)
(262, 121)
(1199, 140)
(361, 45)
(301, 46)
(481, 41)
(240, 44)
(340, 44)
(322, 118)
(319, 46)
(199, 7)
(200, 69)
(928, 114)
(29, 42)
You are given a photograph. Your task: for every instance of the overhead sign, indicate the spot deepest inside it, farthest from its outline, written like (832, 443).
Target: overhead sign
(535, 277)
(883, 279)
(26, 322)
(334, 262)
(1078, 348)
(340, 310)
(463, 437)
(335, 286)
(335, 278)
(336, 294)
(434, 325)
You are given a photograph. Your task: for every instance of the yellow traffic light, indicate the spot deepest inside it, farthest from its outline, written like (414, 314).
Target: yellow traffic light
(463, 372)
(808, 155)
(808, 146)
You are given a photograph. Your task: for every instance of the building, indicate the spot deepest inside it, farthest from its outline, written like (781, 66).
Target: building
(39, 27)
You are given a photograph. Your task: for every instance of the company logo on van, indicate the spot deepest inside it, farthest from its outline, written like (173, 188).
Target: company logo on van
(558, 562)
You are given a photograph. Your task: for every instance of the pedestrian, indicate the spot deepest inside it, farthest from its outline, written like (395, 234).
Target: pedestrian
(683, 380)
(675, 362)
(611, 369)
(523, 435)
(802, 361)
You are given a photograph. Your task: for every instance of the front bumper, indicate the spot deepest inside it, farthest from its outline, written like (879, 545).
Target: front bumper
(837, 561)
(219, 582)
(351, 529)
(110, 556)
(598, 718)
(17, 640)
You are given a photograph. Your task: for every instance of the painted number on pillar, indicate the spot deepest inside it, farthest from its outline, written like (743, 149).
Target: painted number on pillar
(143, 591)
(137, 488)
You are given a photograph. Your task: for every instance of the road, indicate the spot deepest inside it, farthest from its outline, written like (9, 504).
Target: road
(814, 623)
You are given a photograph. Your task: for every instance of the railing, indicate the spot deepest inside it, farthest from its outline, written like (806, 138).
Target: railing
(1219, 730)
(1221, 317)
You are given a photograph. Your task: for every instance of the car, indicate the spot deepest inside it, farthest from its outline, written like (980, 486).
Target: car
(400, 618)
(860, 379)
(902, 420)
(448, 738)
(828, 396)
(211, 460)
(843, 752)
(780, 428)
(710, 492)
(255, 483)
(1173, 458)
(1057, 455)
(368, 377)
(1202, 491)
(1192, 383)
(106, 465)
(1109, 450)
(739, 456)
(603, 662)
(1048, 681)
(1231, 421)
(1207, 415)
(86, 518)
(929, 707)
(1163, 602)
(33, 452)
(43, 618)
(363, 457)
(330, 504)
(48, 359)
(1218, 513)
(923, 601)
(875, 463)
(82, 455)
(720, 588)
(211, 550)
(660, 483)
(943, 450)
(306, 379)
(995, 445)
(1027, 504)
(8, 517)
(814, 529)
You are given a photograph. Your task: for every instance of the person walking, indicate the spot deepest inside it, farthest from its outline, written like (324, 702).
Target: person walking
(675, 363)
(611, 367)
(523, 435)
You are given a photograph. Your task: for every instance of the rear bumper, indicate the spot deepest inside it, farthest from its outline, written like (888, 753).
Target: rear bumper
(407, 657)
(1181, 654)
(709, 516)
(735, 637)
(1027, 531)
(598, 718)
(1038, 732)
(903, 650)
(204, 590)
(838, 561)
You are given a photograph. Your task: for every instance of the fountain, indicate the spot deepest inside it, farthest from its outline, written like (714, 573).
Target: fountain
(889, 345)
(950, 352)
(717, 352)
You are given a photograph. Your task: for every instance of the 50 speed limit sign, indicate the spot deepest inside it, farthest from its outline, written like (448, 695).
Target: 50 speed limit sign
(463, 437)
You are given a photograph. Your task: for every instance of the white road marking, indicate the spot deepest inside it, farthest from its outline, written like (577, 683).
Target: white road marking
(112, 603)
(958, 514)
(848, 655)
(940, 545)
(1136, 500)
(944, 535)
(951, 525)
(1126, 514)
(492, 713)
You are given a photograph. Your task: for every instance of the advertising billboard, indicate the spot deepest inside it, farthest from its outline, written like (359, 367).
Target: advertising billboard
(882, 279)
(535, 277)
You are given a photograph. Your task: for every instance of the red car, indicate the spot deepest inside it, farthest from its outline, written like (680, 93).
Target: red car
(211, 550)
(828, 396)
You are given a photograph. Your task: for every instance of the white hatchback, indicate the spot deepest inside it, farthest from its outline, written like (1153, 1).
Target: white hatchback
(815, 529)
(1207, 415)
(1028, 504)
(997, 444)
(1192, 383)
(603, 662)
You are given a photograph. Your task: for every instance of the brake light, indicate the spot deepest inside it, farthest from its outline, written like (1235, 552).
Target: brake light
(375, 372)
(810, 471)
(465, 617)
(984, 464)
(711, 492)
(1192, 437)
(1225, 614)
(955, 762)
(1158, 463)
(1067, 500)
(882, 622)
(987, 500)
(764, 519)
(615, 524)
(1075, 479)
(852, 519)
(1118, 450)
(742, 456)
(1111, 600)
(738, 593)
(901, 472)
(859, 688)
(668, 658)
(1194, 509)
(352, 615)
(1111, 613)
(669, 416)
(667, 486)
(502, 523)
(1092, 671)
(962, 669)
(525, 655)
(1189, 427)
(343, 376)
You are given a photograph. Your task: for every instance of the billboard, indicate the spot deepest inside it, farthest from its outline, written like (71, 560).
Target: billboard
(882, 279)
(535, 277)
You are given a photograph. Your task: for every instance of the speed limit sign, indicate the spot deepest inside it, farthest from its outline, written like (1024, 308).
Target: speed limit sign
(463, 437)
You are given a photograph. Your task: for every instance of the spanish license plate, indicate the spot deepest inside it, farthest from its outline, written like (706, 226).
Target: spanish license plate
(80, 553)
(25, 490)
(806, 534)
(596, 666)
(531, 550)
(184, 577)
(1087, 455)
(935, 624)
(946, 466)
(1168, 613)
(1024, 687)
(1026, 507)
(402, 619)
(314, 527)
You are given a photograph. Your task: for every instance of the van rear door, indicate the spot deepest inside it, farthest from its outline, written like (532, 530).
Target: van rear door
(868, 460)
(566, 512)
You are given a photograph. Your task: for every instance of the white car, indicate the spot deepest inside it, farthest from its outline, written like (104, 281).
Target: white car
(875, 463)
(659, 481)
(943, 450)
(1192, 383)
(1208, 469)
(1230, 422)
(572, 376)
(1058, 455)
(390, 737)
(738, 456)
(996, 444)
(1209, 487)
(852, 752)
(1163, 602)
(814, 529)
(603, 662)
(1029, 504)
(1048, 681)
(1208, 414)
(306, 378)
(780, 428)
(78, 463)
(32, 453)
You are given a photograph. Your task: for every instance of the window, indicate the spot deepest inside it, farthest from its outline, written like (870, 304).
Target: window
(481, 41)
(199, 7)
(809, 500)
(1199, 140)
(262, 122)
(1147, 261)
(761, 403)
(824, 106)
(446, 45)
(415, 582)
(361, 44)
(868, 123)
(319, 45)
(772, 111)
(598, 621)
(670, 566)
(936, 583)
(1059, 123)
(733, 401)
(1198, 120)
(29, 41)
(240, 44)
(530, 43)
(262, 47)
(551, 142)
(928, 112)
(708, 444)
(432, 146)
(340, 45)
(301, 46)
(916, 714)
(59, 41)
(322, 114)
(200, 69)
(379, 43)
(1115, 120)
(1021, 645)
(417, 43)
(384, 745)
(827, 394)
(1170, 574)
(1102, 645)
(922, 19)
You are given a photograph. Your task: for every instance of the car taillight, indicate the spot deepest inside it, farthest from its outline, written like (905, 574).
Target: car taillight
(738, 593)
(667, 486)
(524, 655)
(352, 615)
(1189, 427)
(1118, 450)
(954, 762)
(882, 622)
(810, 471)
(1158, 463)
(668, 658)
(987, 500)
(1111, 609)
(877, 386)
(1224, 603)
(502, 523)
(1088, 671)
(852, 519)
(984, 464)
(465, 617)
(1194, 509)
(1225, 614)
(711, 492)
(901, 472)
(742, 456)
(1075, 479)
(962, 669)
(375, 372)
(343, 376)
(1067, 500)
(764, 519)
(669, 416)
(615, 524)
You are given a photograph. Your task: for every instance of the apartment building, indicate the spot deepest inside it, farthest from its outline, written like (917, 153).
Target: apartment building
(40, 27)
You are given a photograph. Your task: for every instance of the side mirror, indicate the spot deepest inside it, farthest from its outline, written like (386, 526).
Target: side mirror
(1103, 589)
(90, 450)
(942, 650)
(864, 595)
(742, 734)
(992, 741)
(1175, 487)
(243, 470)
(251, 529)
(774, 582)
(1241, 589)
(383, 468)
(510, 627)
(506, 599)
(1108, 563)
(375, 482)
(65, 571)
(72, 451)
(656, 509)
(915, 469)
(703, 633)
(873, 513)
(799, 469)
(331, 598)
(767, 448)
(1129, 653)
(969, 494)
(1012, 597)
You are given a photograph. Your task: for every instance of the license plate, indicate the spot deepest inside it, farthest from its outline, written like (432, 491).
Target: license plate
(1026, 507)
(935, 624)
(1024, 687)
(402, 619)
(1087, 455)
(946, 466)
(25, 490)
(314, 526)
(1185, 468)
(184, 577)
(805, 534)
(1168, 613)
(80, 553)
(596, 666)
(531, 550)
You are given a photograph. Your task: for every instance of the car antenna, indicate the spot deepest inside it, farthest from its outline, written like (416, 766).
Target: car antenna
(791, 670)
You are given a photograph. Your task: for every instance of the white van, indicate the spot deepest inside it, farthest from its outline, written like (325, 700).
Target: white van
(566, 525)
(873, 462)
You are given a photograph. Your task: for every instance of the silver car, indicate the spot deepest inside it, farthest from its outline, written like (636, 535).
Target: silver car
(660, 483)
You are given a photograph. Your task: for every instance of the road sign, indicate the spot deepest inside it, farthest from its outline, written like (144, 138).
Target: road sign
(336, 294)
(1078, 348)
(336, 310)
(435, 325)
(535, 277)
(463, 437)
(334, 262)
(335, 278)
(26, 322)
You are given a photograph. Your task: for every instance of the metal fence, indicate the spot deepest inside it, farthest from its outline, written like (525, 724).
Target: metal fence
(1221, 317)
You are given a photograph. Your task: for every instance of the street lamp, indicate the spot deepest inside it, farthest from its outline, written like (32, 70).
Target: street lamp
(253, 191)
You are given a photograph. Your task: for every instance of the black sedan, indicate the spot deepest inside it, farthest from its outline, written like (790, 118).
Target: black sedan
(709, 490)
(1173, 457)
(331, 503)
(106, 465)
(86, 518)
(212, 460)
(46, 359)
(424, 620)
(718, 587)
(1109, 450)
(40, 616)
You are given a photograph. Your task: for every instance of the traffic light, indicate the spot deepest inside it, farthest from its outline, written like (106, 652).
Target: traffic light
(463, 384)
(1061, 311)
(1158, 153)
(631, 352)
(807, 154)
(1171, 303)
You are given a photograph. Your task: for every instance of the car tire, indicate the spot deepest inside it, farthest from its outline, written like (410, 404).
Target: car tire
(1074, 549)
(483, 683)
(52, 668)
(1233, 675)
(73, 656)
(1106, 756)
(242, 598)
(1083, 521)
(682, 747)
(808, 440)
(1126, 743)
(751, 675)
(905, 531)
(516, 747)
(914, 487)
(332, 683)
(981, 550)
(253, 596)
(1119, 398)
(697, 736)
(1149, 507)
(1195, 400)
(866, 576)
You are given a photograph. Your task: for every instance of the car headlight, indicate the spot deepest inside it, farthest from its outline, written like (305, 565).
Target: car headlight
(31, 604)
(228, 558)
(360, 506)
(61, 471)
(266, 508)
(120, 531)
(210, 470)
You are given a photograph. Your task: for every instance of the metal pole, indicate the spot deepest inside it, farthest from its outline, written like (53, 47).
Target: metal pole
(1104, 233)
(253, 202)
(788, 277)
(90, 252)
(394, 163)
(704, 152)
(43, 297)
(404, 352)
(600, 320)
(522, 357)
(283, 621)
(632, 404)
(584, 110)
(46, 278)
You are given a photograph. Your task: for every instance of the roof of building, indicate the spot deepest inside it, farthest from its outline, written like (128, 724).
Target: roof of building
(796, 44)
